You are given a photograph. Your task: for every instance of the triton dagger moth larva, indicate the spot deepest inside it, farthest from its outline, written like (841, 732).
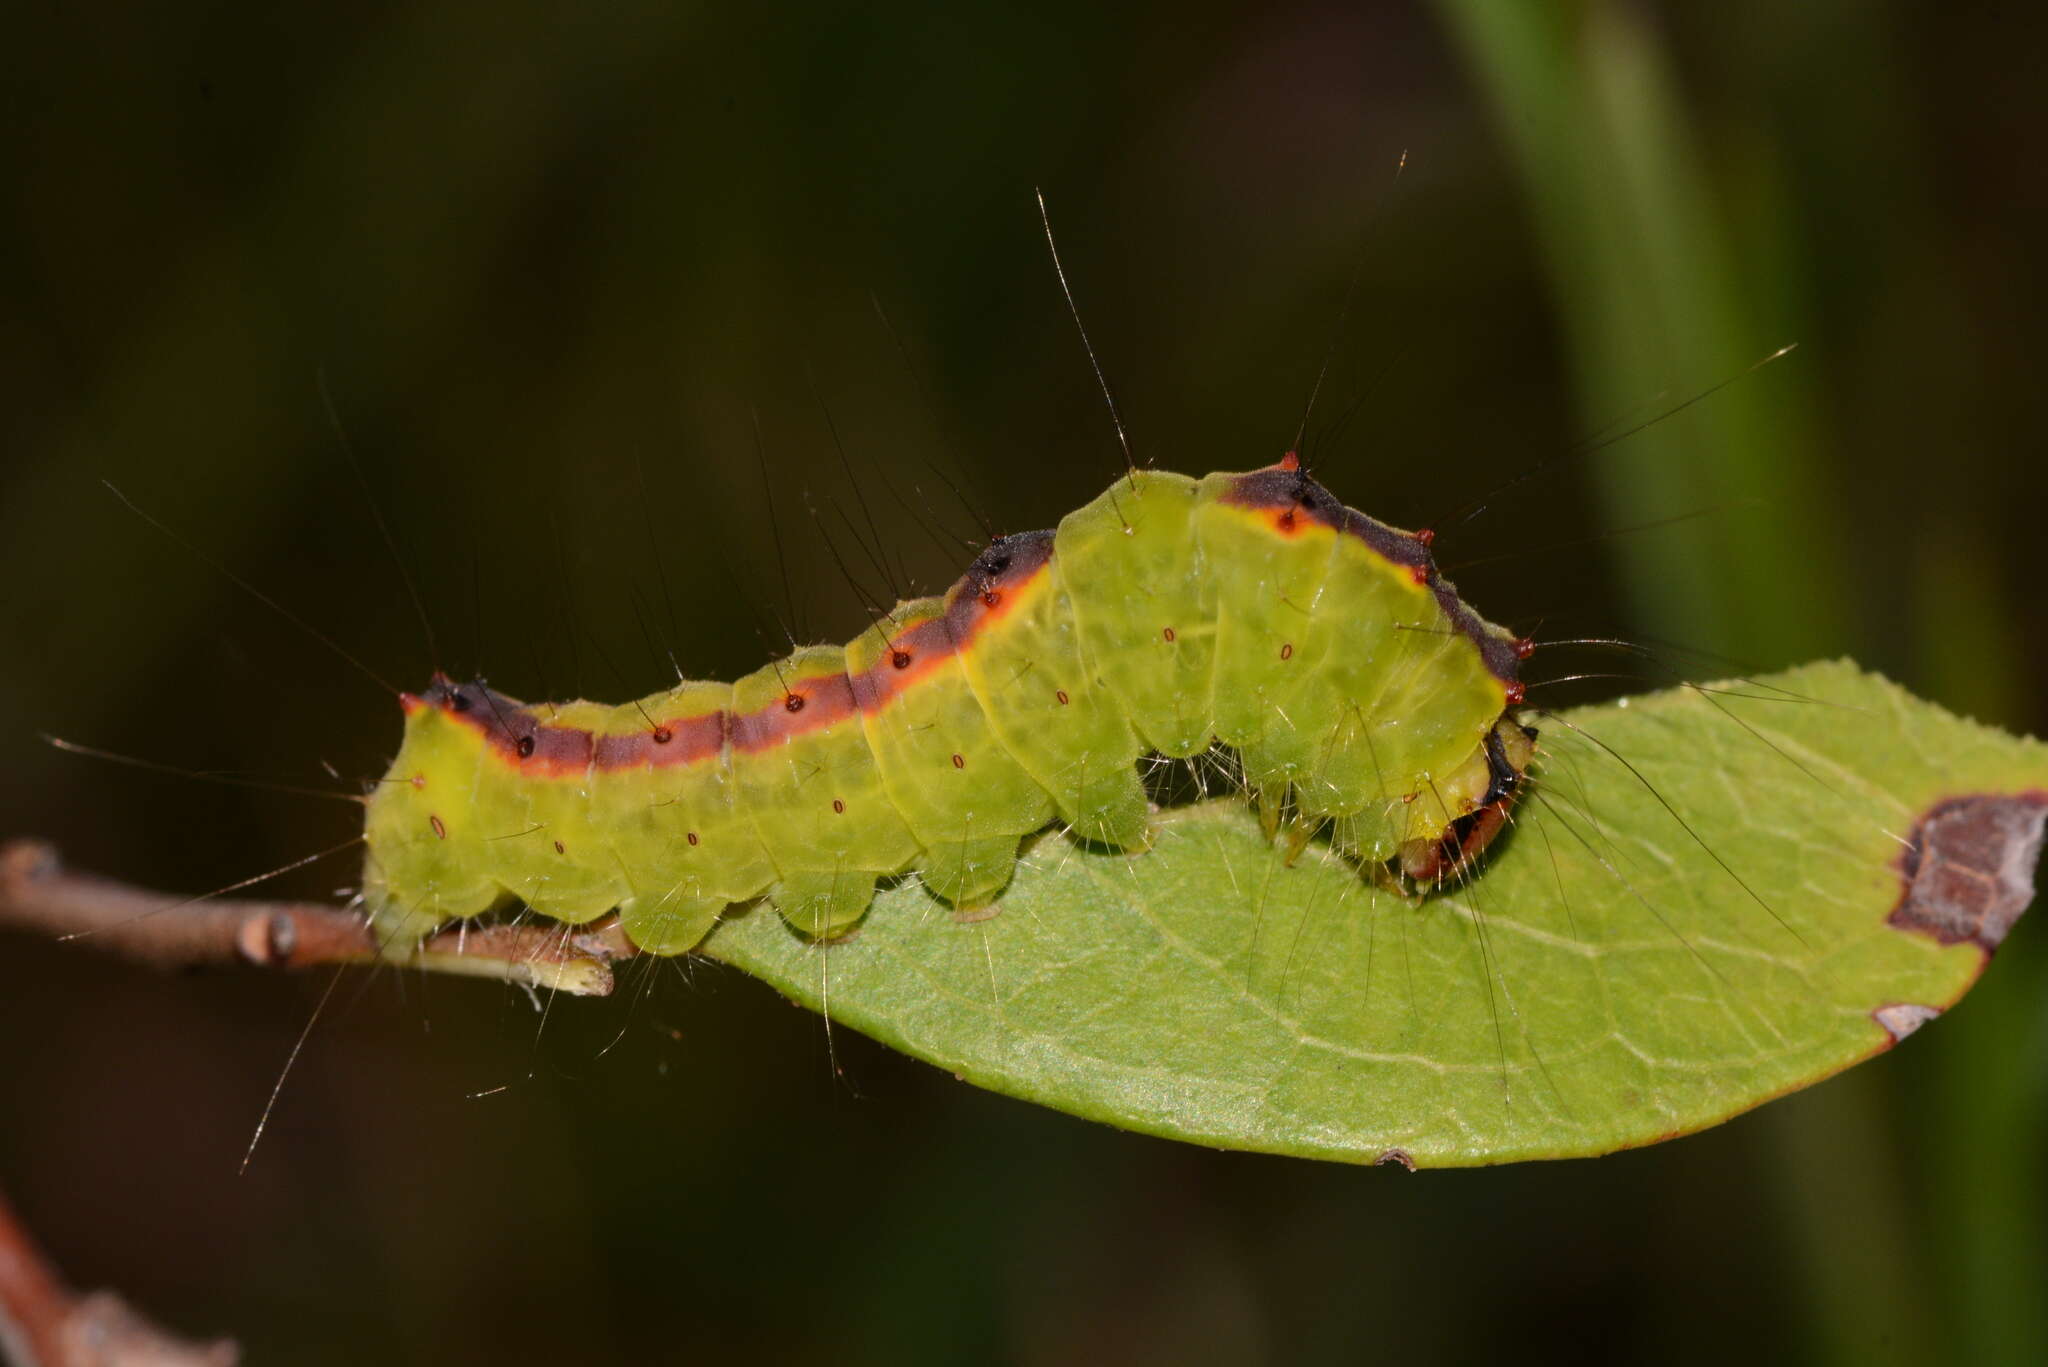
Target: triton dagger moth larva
(1168, 614)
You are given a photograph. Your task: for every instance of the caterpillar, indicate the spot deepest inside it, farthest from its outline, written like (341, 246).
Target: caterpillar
(1171, 613)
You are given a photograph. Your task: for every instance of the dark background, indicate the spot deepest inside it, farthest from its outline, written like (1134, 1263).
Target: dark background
(551, 263)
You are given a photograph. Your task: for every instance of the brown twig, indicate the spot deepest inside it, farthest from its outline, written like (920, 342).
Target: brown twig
(43, 1323)
(38, 893)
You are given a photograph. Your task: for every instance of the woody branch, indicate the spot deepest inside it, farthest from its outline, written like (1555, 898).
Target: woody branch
(43, 1323)
(38, 894)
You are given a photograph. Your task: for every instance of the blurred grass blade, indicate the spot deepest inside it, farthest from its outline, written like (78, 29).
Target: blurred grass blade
(1656, 310)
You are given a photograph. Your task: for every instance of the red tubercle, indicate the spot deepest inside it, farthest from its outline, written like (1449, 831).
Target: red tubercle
(686, 740)
(1427, 536)
(1291, 461)
(1525, 646)
(914, 655)
(809, 704)
(1516, 692)
(412, 704)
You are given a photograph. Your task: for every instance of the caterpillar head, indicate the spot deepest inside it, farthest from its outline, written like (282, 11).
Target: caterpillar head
(1484, 792)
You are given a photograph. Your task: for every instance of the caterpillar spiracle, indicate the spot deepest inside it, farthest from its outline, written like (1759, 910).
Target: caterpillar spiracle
(1171, 613)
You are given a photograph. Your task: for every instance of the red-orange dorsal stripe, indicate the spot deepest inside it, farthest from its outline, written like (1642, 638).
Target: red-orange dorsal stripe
(519, 735)
(999, 577)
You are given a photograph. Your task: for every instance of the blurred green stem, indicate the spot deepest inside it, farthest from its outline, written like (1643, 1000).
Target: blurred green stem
(1654, 314)
(1636, 243)
(1988, 1188)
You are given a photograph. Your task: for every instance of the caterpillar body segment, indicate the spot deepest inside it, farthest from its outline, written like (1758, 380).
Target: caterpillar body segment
(1144, 604)
(1168, 614)
(1049, 705)
(965, 796)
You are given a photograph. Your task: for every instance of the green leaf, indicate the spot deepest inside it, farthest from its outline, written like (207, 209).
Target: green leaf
(1609, 979)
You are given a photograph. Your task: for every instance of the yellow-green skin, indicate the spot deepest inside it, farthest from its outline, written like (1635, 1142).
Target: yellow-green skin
(1167, 615)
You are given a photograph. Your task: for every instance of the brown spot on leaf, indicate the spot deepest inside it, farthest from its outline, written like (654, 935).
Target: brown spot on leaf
(1968, 868)
(1901, 1019)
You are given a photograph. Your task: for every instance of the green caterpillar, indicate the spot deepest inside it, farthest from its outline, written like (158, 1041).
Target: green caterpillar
(1168, 614)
